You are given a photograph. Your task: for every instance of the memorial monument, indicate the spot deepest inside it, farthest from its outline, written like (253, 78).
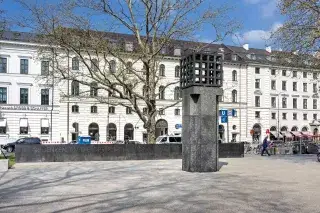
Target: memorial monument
(201, 78)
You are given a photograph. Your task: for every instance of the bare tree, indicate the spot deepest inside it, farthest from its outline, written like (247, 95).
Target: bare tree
(125, 69)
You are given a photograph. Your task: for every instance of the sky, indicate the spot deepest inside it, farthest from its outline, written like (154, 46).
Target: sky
(257, 18)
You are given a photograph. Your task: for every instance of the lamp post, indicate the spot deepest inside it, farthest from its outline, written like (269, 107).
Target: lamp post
(278, 123)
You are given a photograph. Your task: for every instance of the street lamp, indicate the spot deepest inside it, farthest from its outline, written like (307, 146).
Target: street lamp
(278, 128)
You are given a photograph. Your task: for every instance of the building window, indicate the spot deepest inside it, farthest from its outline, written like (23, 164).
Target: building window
(112, 110)
(161, 111)
(257, 101)
(145, 110)
(234, 75)
(284, 85)
(177, 52)
(111, 132)
(315, 116)
(273, 102)
(162, 70)
(128, 110)
(315, 103)
(294, 116)
(294, 74)
(315, 89)
(257, 114)
(112, 66)
(75, 88)
(161, 93)
(3, 128)
(93, 89)
(24, 66)
(284, 116)
(3, 65)
(24, 130)
(284, 102)
(273, 72)
(273, 115)
(315, 75)
(44, 127)
(24, 95)
(177, 93)
(176, 111)
(257, 84)
(129, 46)
(94, 109)
(94, 65)
(75, 108)
(294, 86)
(284, 72)
(305, 104)
(294, 103)
(305, 117)
(234, 96)
(273, 85)
(234, 57)
(305, 87)
(44, 67)
(75, 63)
(177, 72)
(3, 95)
(257, 70)
(44, 96)
(305, 74)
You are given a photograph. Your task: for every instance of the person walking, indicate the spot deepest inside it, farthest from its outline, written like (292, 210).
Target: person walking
(265, 146)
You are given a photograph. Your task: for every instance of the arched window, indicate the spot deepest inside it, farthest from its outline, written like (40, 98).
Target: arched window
(128, 131)
(177, 72)
(94, 65)
(75, 108)
(94, 89)
(162, 70)
(304, 129)
(294, 129)
(177, 93)
(112, 66)
(234, 96)
(111, 132)
(161, 93)
(144, 90)
(273, 129)
(284, 129)
(234, 75)
(93, 131)
(129, 66)
(75, 63)
(75, 88)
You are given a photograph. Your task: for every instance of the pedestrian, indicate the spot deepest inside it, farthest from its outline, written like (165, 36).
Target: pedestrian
(265, 146)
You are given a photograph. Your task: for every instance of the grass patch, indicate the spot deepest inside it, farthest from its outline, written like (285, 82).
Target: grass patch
(12, 160)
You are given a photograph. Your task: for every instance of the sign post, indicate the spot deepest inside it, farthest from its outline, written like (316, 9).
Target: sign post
(224, 119)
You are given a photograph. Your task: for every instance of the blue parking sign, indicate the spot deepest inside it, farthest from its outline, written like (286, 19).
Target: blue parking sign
(224, 113)
(224, 119)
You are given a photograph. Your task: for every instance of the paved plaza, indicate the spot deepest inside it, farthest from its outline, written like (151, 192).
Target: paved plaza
(252, 184)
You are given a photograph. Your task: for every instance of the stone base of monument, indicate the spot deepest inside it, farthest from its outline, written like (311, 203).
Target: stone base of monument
(199, 132)
(4, 165)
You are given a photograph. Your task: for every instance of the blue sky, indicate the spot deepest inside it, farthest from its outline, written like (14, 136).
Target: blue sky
(257, 17)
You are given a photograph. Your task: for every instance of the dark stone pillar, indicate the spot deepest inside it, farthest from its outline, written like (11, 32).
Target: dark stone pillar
(199, 129)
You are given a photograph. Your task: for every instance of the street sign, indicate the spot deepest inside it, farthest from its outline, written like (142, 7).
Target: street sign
(224, 119)
(178, 126)
(224, 113)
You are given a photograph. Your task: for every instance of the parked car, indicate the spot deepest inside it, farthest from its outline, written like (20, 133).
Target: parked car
(172, 139)
(10, 147)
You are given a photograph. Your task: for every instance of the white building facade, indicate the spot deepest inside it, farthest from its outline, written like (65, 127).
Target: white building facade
(261, 94)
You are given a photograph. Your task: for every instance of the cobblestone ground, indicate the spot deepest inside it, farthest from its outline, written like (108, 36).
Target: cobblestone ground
(251, 184)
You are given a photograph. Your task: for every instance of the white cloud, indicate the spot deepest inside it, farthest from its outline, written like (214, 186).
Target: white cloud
(268, 7)
(257, 37)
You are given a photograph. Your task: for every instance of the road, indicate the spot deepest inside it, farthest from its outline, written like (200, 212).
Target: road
(251, 184)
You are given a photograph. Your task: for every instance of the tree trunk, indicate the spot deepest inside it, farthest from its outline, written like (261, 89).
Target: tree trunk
(151, 130)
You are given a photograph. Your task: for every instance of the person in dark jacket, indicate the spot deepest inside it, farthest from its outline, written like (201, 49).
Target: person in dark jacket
(265, 146)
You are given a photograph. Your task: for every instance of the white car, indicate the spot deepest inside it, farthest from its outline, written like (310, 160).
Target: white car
(172, 139)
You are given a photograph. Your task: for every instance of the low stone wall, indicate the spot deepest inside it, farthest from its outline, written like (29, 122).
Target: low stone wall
(110, 152)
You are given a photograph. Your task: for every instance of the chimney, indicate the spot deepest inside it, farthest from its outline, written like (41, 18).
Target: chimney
(268, 49)
(246, 47)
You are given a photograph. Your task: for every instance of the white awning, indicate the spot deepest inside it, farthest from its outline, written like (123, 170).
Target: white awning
(24, 122)
(44, 122)
(3, 122)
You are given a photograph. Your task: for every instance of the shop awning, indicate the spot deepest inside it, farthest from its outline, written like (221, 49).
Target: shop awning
(24, 122)
(3, 122)
(45, 123)
(275, 134)
(296, 133)
(308, 134)
(286, 134)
